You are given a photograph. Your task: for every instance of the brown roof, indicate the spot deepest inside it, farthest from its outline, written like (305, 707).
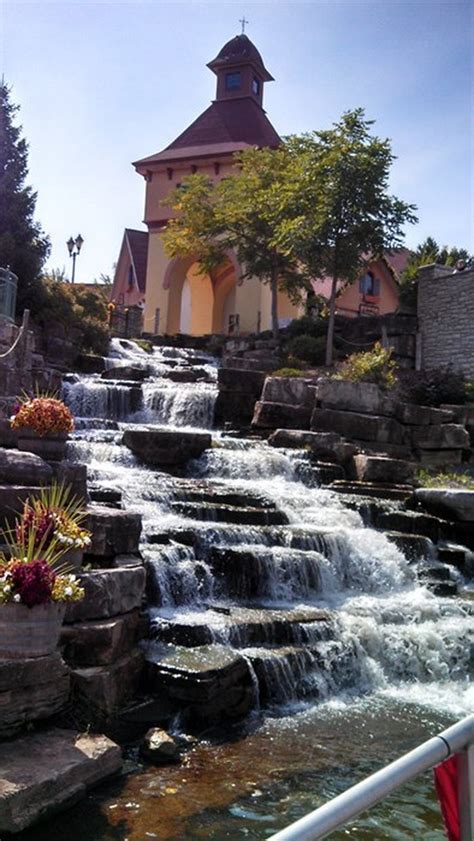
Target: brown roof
(240, 50)
(138, 244)
(225, 127)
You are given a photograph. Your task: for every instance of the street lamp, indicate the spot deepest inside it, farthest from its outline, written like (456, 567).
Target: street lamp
(74, 246)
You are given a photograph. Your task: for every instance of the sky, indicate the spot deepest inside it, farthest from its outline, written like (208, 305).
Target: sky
(101, 84)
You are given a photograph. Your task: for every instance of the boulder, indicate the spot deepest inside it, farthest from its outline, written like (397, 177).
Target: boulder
(463, 414)
(450, 503)
(365, 398)
(236, 407)
(381, 469)
(274, 415)
(449, 436)
(440, 458)
(8, 436)
(359, 426)
(73, 475)
(31, 689)
(90, 364)
(125, 372)
(159, 747)
(20, 468)
(162, 447)
(187, 375)
(410, 522)
(413, 415)
(100, 642)
(104, 689)
(293, 391)
(44, 772)
(108, 592)
(239, 380)
(114, 531)
(12, 499)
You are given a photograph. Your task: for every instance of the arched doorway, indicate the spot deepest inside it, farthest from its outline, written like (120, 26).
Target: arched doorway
(198, 302)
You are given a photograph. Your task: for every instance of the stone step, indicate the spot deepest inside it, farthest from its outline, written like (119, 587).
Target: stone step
(220, 495)
(210, 683)
(108, 592)
(45, 772)
(455, 556)
(30, 690)
(381, 491)
(410, 522)
(240, 626)
(442, 588)
(230, 514)
(114, 531)
(278, 573)
(413, 546)
(436, 572)
(164, 447)
(100, 691)
(102, 642)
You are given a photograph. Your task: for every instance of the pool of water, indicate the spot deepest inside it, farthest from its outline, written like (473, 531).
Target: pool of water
(283, 767)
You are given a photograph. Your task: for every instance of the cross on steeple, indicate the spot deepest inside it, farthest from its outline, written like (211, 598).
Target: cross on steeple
(243, 22)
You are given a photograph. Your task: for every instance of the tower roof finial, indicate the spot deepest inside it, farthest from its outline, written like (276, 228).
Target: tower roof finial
(243, 22)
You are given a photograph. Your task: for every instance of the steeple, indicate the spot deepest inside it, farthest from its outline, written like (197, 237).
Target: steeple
(240, 71)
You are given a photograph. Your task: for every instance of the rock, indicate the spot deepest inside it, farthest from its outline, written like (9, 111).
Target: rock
(31, 689)
(328, 446)
(414, 546)
(379, 490)
(100, 642)
(12, 499)
(20, 468)
(114, 531)
(161, 447)
(231, 514)
(386, 470)
(212, 682)
(449, 503)
(364, 398)
(463, 414)
(355, 425)
(292, 391)
(73, 475)
(449, 436)
(159, 747)
(104, 689)
(410, 522)
(44, 772)
(411, 414)
(234, 407)
(108, 592)
(109, 496)
(89, 364)
(125, 372)
(8, 436)
(440, 458)
(186, 375)
(275, 415)
(242, 381)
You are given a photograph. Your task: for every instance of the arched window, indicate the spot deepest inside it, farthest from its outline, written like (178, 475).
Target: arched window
(369, 284)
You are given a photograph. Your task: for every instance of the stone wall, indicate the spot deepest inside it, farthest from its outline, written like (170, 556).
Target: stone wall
(446, 318)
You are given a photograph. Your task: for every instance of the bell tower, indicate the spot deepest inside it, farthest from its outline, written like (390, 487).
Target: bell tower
(240, 71)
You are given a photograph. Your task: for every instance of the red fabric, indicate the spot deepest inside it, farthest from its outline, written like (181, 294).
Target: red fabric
(446, 781)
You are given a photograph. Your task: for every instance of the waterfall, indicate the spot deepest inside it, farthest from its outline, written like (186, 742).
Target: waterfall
(246, 551)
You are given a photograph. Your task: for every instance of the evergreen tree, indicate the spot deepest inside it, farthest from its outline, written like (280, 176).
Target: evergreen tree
(23, 245)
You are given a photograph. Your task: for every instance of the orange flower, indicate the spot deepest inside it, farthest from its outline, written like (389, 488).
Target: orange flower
(45, 415)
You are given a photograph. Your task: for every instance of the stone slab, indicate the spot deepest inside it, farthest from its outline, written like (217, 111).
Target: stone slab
(439, 458)
(448, 436)
(114, 531)
(411, 414)
(449, 503)
(292, 391)
(275, 415)
(99, 643)
(31, 689)
(381, 469)
(45, 772)
(108, 592)
(105, 689)
(20, 468)
(354, 425)
(163, 447)
(365, 398)
(243, 381)
(328, 446)
(12, 499)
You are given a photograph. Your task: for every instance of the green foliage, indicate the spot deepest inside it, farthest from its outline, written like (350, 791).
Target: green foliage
(433, 388)
(288, 372)
(82, 312)
(469, 391)
(23, 245)
(307, 326)
(309, 349)
(427, 252)
(144, 344)
(372, 366)
(425, 479)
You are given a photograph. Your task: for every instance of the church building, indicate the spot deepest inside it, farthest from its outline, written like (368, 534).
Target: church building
(177, 298)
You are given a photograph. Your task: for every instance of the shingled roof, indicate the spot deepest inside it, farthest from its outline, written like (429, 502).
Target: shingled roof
(138, 245)
(237, 51)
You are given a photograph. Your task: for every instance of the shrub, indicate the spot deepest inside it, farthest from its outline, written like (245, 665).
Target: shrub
(432, 388)
(288, 372)
(372, 366)
(445, 480)
(307, 326)
(144, 344)
(310, 349)
(81, 311)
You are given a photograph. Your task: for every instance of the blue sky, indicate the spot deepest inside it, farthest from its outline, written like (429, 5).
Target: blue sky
(101, 84)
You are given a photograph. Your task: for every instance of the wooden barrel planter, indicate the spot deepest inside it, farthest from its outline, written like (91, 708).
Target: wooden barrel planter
(30, 631)
(49, 447)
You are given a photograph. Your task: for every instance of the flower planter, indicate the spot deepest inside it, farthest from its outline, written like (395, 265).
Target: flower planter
(49, 447)
(30, 631)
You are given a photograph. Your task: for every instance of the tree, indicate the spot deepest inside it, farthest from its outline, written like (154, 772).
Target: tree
(23, 245)
(242, 213)
(346, 214)
(427, 252)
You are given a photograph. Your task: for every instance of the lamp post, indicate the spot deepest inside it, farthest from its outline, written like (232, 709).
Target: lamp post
(74, 246)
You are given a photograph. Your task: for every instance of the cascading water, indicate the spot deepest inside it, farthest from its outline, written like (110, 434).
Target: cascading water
(350, 656)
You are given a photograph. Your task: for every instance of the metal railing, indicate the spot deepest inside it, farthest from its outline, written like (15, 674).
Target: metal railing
(333, 815)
